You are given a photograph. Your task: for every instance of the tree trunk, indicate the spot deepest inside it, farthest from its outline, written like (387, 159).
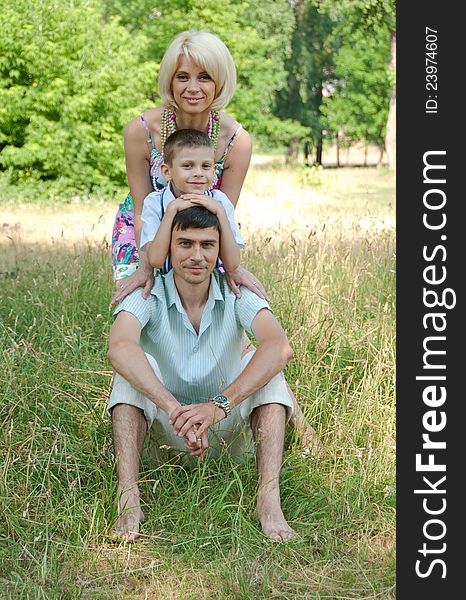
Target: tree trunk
(320, 139)
(292, 151)
(338, 149)
(390, 138)
(307, 151)
(319, 152)
(381, 151)
(365, 152)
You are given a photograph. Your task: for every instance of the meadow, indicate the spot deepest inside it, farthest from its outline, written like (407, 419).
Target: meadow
(323, 244)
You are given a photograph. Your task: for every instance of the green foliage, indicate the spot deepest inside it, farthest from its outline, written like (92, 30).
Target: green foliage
(65, 94)
(308, 67)
(358, 105)
(327, 58)
(266, 43)
(363, 15)
(72, 74)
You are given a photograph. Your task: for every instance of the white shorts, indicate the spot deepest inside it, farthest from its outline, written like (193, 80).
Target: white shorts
(233, 433)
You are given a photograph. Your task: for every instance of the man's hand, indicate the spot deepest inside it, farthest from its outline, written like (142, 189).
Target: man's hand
(204, 415)
(197, 444)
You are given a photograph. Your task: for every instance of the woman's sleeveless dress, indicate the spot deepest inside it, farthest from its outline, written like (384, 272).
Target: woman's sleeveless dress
(125, 255)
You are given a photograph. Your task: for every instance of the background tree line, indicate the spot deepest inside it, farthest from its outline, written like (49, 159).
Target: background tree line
(74, 72)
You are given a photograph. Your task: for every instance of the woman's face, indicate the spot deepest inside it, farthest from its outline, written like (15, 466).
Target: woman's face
(192, 88)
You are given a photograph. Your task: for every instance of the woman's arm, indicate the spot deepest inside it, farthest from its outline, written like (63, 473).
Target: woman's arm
(236, 166)
(137, 155)
(234, 173)
(137, 169)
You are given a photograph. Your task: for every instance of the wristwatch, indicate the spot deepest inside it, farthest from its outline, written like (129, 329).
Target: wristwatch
(222, 402)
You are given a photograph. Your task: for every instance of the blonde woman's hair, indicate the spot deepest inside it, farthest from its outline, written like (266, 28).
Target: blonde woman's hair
(210, 54)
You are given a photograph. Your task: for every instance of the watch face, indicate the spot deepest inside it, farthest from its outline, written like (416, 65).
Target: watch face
(222, 402)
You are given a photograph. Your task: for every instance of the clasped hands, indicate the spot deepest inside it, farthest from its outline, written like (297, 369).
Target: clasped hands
(192, 422)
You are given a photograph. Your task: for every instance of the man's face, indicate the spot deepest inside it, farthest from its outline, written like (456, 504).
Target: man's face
(192, 170)
(194, 253)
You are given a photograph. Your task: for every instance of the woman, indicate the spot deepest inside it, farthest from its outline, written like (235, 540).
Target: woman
(197, 78)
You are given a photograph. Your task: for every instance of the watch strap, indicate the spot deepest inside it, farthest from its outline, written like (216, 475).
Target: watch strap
(222, 402)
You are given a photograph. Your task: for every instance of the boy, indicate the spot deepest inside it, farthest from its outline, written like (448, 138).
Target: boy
(189, 167)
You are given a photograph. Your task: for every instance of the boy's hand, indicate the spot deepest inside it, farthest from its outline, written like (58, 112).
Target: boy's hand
(179, 204)
(202, 200)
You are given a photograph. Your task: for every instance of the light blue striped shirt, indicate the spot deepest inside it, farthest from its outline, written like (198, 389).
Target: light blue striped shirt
(195, 367)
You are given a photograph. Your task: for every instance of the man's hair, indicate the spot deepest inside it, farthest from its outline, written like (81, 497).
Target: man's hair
(210, 54)
(196, 217)
(184, 138)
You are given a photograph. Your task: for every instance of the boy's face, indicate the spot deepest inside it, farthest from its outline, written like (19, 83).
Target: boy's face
(192, 170)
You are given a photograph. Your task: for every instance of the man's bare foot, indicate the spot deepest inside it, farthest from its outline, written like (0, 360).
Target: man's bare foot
(126, 527)
(310, 442)
(272, 520)
(306, 435)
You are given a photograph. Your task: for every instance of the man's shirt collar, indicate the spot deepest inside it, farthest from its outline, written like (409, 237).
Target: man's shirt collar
(167, 288)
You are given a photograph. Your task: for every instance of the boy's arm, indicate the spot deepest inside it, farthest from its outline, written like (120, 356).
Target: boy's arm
(151, 217)
(158, 249)
(229, 249)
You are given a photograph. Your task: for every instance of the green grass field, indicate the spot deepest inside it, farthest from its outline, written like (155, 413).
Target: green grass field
(332, 284)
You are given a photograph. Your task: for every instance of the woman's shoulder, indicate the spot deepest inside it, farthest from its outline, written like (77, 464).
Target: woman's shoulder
(228, 125)
(230, 128)
(135, 129)
(153, 118)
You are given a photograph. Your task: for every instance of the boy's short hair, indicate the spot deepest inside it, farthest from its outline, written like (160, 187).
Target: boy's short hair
(196, 217)
(184, 138)
(209, 52)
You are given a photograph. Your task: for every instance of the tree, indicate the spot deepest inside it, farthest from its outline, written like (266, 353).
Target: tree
(358, 104)
(68, 86)
(309, 66)
(367, 17)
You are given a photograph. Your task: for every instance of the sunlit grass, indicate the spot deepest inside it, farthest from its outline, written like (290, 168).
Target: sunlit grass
(332, 286)
(299, 196)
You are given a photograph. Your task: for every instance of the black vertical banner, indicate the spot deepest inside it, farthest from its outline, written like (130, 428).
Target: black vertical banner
(431, 427)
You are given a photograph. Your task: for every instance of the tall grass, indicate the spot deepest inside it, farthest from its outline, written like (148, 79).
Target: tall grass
(333, 291)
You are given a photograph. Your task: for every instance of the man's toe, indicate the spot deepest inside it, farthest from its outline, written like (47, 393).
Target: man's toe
(288, 534)
(274, 536)
(130, 536)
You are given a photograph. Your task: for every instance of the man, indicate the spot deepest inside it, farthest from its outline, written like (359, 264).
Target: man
(180, 373)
